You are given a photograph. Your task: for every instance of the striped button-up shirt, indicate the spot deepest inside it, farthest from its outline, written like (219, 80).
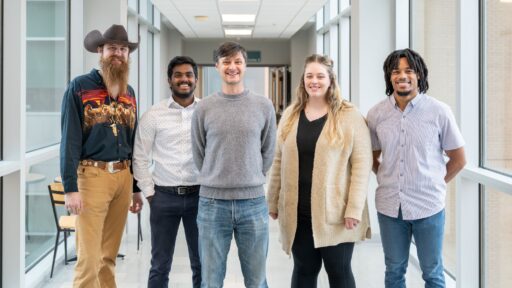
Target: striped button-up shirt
(164, 137)
(412, 170)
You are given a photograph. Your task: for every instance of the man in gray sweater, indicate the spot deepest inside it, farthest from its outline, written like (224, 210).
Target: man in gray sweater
(233, 139)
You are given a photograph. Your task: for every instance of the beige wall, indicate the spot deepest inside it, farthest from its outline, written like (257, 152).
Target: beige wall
(273, 52)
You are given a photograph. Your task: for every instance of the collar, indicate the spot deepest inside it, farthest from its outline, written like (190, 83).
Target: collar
(413, 103)
(173, 104)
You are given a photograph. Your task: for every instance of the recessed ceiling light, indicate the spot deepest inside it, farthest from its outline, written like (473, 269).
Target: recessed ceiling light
(201, 18)
(248, 18)
(238, 32)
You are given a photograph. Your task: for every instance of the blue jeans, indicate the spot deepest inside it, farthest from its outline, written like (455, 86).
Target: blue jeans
(217, 221)
(396, 236)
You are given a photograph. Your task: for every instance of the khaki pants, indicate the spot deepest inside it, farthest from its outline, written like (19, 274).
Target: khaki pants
(106, 198)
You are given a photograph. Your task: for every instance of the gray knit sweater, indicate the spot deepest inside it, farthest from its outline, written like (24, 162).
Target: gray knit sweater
(233, 141)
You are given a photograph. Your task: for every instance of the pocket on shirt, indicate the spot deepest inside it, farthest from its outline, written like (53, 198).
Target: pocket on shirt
(334, 204)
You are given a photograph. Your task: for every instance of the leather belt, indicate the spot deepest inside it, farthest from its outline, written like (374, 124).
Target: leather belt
(180, 190)
(111, 167)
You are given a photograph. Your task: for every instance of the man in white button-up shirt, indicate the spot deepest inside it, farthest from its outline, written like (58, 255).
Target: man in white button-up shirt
(164, 138)
(412, 131)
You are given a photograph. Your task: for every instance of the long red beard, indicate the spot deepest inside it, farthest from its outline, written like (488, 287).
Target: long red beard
(115, 74)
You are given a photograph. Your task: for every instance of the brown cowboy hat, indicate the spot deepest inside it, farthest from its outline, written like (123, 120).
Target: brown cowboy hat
(115, 34)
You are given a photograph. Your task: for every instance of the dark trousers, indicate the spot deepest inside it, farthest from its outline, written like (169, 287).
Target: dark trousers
(308, 261)
(167, 210)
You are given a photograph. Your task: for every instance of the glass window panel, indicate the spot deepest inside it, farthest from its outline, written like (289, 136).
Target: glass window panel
(327, 44)
(497, 76)
(150, 85)
(1, 117)
(133, 4)
(327, 12)
(320, 19)
(449, 242)
(40, 225)
(433, 36)
(150, 12)
(156, 19)
(497, 235)
(143, 8)
(47, 70)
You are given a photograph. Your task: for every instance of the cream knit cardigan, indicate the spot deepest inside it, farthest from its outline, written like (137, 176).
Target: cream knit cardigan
(339, 183)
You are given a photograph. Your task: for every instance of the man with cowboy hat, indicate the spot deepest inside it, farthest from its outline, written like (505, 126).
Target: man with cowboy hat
(98, 129)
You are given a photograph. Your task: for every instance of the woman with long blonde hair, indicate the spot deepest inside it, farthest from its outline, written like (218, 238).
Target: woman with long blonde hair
(319, 178)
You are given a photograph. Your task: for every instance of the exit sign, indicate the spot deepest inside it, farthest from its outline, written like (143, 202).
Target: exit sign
(253, 56)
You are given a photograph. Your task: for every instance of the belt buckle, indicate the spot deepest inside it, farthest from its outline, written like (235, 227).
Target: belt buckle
(182, 190)
(110, 167)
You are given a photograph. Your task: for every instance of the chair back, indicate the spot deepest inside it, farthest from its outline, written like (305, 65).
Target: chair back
(56, 191)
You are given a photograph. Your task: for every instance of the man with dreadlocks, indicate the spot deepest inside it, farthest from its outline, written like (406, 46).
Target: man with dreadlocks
(409, 132)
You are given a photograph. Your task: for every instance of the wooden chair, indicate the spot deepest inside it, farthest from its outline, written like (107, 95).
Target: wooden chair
(64, 223)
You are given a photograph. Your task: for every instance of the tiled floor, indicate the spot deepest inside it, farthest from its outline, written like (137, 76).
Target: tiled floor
(367, 264)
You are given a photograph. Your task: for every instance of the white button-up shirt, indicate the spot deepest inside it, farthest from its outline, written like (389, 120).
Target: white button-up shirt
(412, 170)
(163, 136)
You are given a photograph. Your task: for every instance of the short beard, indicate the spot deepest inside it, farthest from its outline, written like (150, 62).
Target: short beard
(403, 94)
(182, 95)
(114, 74)
(175, 92)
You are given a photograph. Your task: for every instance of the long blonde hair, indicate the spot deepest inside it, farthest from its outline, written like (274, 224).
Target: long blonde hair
(332, 96)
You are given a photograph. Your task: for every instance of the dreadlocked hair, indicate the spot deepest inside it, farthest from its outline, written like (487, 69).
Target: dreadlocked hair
(332, 96)
(416, 63)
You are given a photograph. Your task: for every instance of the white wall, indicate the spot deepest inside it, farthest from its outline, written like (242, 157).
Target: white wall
(273, 52)
(302, 44)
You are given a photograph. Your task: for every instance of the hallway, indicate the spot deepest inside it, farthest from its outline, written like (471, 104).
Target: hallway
(132, 272)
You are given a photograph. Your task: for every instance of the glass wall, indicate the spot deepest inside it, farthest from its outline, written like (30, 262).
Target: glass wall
(497, 140)
(47, 70)
(333, 39)
(433, 36)
(497, 238)
(40, 227)
(150, 67)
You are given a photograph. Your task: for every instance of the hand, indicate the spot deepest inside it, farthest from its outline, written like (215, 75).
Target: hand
(136, 203)
(73, 202)
(351, 223)
(273, 215)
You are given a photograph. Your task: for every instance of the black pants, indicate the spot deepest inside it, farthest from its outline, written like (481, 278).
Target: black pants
(308, 260)
(167, 210)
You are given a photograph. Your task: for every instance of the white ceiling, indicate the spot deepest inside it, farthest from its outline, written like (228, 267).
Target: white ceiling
(274, 18)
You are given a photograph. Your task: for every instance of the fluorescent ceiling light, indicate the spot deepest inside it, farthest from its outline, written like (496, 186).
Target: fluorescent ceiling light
(238, 18)
(239, 0)
(201, 18)
(238, 32)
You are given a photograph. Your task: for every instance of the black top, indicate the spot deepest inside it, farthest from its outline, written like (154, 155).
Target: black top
(94, 126)
(307, 136)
